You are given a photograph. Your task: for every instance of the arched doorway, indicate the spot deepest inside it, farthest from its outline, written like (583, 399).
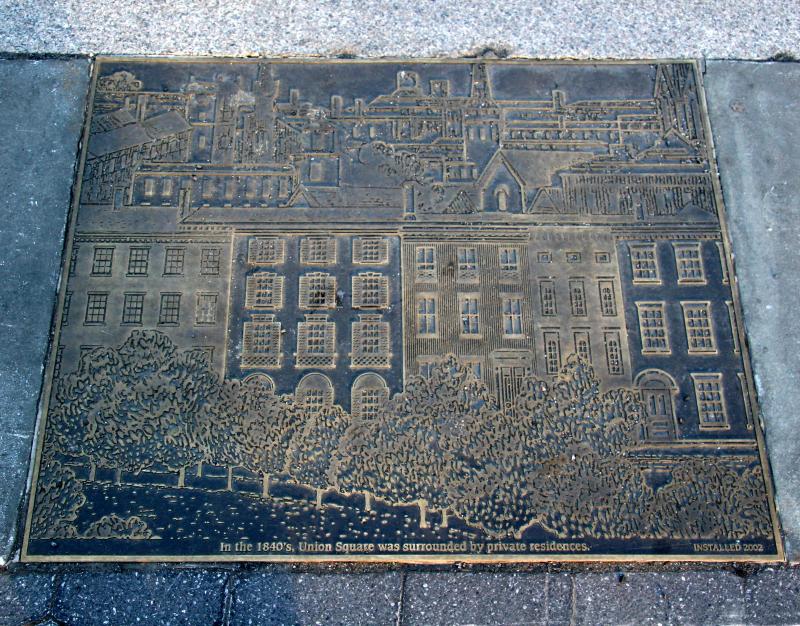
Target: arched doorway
(368, 394)
(315, 391)
(657, 389)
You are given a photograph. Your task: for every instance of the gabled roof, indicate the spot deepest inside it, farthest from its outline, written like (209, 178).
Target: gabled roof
(137, 133)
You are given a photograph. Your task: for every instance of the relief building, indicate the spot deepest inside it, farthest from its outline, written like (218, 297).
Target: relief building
(334, 244)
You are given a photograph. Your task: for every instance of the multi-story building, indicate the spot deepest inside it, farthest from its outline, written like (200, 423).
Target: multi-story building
(318, 311)
(684, 341)
(513, 303)
(176, 283)
(364, 233)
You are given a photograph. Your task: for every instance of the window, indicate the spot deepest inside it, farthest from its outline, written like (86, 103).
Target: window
(426, 315)
(689, 261)
(552, 352)
(318, 250)
(369, 403)
(501, 194)
(103, 258)
(710, 401)
(65, 310)
(698, 325)
(230, 189)
(132, 308)
(169, 312)
(469, 315)
(723, 263)
(266, 251)
(426, 263)
(368, 395)
(206, 309)
(209, 261)
(653, 327)
(583, 347)
(137, 261)
(573, 257)
(644, 263)
(73, 260)
(608, 302)
(58, 362)
(149, 187)
(173, 261)
(602, 257)
(467, 265)
(370, 250)
(370, 343)
(370, 291)
(547, 297)
(316, 341)
(96, 308)
(475, 364)
(613, 352)
(317, 291)
(545, 257)
(261, 342)
(264, 290)
(734, 325)
(577, 297)
(209, 188)
(315, 172)
(425, 366)
(512, 316)
(509, 263)
(166, 187)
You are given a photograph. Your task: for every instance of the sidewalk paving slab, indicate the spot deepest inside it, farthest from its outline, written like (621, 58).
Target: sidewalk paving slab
(265, 599)
(25, 597)
(750, 29)
(772, 596)
(167, 596)
(756, 125)
(43, 103)
(486, 598)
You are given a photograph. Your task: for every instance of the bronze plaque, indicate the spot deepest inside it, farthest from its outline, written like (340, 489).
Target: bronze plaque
(398, 310)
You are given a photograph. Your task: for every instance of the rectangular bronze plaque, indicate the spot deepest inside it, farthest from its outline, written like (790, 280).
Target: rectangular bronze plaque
(398, 310)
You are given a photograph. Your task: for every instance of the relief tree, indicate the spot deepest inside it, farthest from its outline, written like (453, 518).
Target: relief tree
(135, 407)
(314, 444)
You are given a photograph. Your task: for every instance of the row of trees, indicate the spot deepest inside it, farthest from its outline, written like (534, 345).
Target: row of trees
(559, 458)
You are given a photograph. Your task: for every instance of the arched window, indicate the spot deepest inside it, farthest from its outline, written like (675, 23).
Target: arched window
(262, 380)
(501, 196)
(657, 389)
(315, 391)
(368, 394)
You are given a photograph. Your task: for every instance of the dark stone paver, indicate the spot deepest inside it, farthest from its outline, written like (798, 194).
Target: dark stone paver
(165, 597)
(486, 598)
(702, 597)
(619, 598)
(772, 596)
(24, 598)
(263, 599)
(756, 124)
(43, 108)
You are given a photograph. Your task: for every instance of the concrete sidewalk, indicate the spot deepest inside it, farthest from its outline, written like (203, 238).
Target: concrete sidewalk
(757, 133)
(745, 29)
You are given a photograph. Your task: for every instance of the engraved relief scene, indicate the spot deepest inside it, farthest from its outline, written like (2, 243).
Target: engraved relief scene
(398, 310)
